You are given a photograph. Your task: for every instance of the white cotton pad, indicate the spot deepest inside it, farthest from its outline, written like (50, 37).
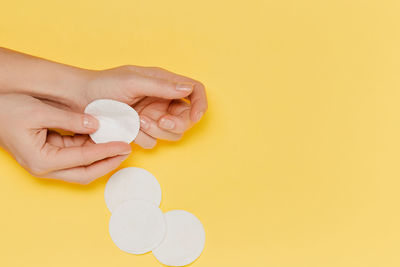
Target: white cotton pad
(137, 226)
(184, 240)
(117, 121)
(131, 183)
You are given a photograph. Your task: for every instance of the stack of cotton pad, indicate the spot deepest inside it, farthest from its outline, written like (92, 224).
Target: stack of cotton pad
(137, 225)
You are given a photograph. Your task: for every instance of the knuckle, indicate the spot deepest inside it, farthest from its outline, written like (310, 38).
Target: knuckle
(154, 68)
(131, 80)
(177, 137)
(150, 144)
(181, 131)
(84, 156)
(128, 67)
(164, 84)
(36, 167)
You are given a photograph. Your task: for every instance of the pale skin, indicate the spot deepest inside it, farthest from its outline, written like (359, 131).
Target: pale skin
(37, 95)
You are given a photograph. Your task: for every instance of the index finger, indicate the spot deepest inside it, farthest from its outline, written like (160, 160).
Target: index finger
(198, 97)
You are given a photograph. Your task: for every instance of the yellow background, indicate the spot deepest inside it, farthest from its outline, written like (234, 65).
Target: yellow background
(296, 162)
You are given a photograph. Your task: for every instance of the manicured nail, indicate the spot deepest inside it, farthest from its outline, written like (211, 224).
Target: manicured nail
(89, 122)
(144, 123)
(167, 124)
(198, 115)
(185, 87)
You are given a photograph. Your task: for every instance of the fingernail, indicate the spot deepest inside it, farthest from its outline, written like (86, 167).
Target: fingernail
(89, 123)
(199, 115)
(144, 123)
(185, 87)
(167, 124)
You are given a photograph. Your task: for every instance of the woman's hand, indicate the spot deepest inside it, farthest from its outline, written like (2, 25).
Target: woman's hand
(25, 122)
(168, 103)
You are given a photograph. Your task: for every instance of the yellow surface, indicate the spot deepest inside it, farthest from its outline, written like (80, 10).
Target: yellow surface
(295, 164)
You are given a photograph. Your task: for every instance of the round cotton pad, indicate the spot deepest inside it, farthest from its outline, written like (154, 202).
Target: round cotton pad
(137, 226)
(184, 240)
(131, 183)
(117, 121)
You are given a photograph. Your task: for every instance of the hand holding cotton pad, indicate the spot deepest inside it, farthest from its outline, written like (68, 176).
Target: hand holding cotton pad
(117, 121)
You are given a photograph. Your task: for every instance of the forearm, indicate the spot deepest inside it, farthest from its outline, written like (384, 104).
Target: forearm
(21, 73)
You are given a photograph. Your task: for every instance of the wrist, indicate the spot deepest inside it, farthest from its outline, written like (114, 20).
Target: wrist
(67, 86)
(44, 79)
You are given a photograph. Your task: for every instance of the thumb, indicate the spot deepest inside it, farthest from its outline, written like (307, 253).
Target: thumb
(140, 85)
(70, 121)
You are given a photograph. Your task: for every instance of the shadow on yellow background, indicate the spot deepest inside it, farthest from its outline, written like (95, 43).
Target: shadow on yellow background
(295, 163)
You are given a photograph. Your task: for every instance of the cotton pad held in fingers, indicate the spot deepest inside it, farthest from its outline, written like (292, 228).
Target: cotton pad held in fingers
(117, 121)
(137, 226)
(131, 183)
(184, 240)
